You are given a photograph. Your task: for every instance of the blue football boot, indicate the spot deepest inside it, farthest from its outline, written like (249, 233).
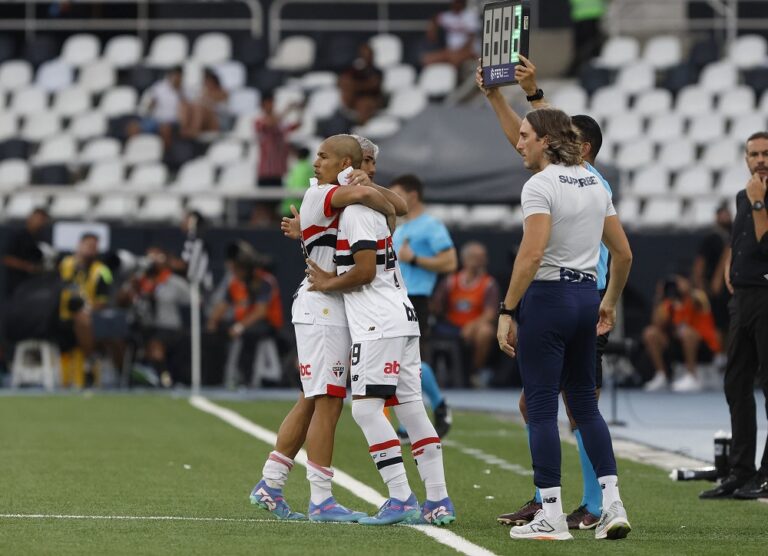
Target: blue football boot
(272, 500)
(330, 510)
(395, 511)
(438, 513)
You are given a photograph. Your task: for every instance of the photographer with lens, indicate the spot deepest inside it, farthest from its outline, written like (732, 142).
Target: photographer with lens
(682, 327)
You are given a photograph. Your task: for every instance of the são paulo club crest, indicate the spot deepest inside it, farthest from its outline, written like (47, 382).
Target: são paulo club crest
(338, 369)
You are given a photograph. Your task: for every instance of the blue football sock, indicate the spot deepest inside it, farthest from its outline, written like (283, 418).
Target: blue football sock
(593, 494)
(537, 496)
(429, 385)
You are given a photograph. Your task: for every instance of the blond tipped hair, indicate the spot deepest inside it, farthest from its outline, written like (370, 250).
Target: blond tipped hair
(563, 143)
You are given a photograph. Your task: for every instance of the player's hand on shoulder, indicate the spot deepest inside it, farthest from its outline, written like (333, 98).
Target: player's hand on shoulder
(318, 278)
(359, 177)
(525, 74)
(291, 227)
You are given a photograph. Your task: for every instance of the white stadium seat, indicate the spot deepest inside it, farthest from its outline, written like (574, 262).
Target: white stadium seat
(104, 175)
(636, 78)
(317, 80)
(737, 101)
(663, 51)
(40, 126)
(572, 99)
(70, 205)
(650, 181)
(407, 103)
(161, 208)
(231, 74)
(628, 210)
(54, 75)
(14, 173)
(15, 74)
(286, 96)
(618, 52)
(677, 154)
(225, 152)
(719, 76)
(378, 127)
(210, 207)
(693, 100)
(88, 125)
(192, 78)
(323, 103)
(244, 101)
(22, 203)
(31, 100)
(97, 76)
(733, 180)
(143, 148)
(633, 156)
(119, 101)
(438, 79)
(61, 149)
(387, 50)
(607, 101)
(498, 216)
(294, 54)
(71, 101)
(245, 127)
(748, 51)
(195, 175)
(624, 127)
(101, 148)
(661, 212)
(167, 50)
(212, 48)
(9, 125)
(147, 177)
(116, 206)
(653, 102)
(123, 51)
(745, 125)
(702, 211)
(398, 77)
(722, 154)
(665, 126)
(81, 49)
(706, 127)
(240, 176)
(696, 181)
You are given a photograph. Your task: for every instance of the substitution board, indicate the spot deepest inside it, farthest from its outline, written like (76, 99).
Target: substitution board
(505, 36)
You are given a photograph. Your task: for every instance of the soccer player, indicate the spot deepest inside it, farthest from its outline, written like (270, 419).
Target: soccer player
(323, 344)
(385, 366)
(587, 514)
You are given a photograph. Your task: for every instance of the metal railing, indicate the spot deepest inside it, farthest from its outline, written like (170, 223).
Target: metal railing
(142, 24)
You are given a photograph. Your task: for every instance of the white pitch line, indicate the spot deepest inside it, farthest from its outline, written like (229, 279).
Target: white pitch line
(359, 489)
(153, 518)
(489, 459)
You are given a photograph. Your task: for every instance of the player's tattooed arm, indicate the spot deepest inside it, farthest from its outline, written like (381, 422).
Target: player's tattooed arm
(291, 227)
(363, 272)
(359, 177)
(368, 196)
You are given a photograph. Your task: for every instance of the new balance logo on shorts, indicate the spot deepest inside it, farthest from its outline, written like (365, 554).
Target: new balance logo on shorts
(392, 368)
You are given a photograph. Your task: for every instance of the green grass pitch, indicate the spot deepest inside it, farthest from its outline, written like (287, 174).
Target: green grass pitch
(111, 455)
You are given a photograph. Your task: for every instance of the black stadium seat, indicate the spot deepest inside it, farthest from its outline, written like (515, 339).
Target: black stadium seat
(250, 51)
(141, 78)
(593, 78)
(265, 79)
(704, 52)
(53, 174)
(7, 47)
(14, 148)
(180, 151)
(41, 48)
(757, 78)
(679, 76)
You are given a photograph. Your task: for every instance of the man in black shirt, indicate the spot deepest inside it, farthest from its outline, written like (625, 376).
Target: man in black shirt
(747, 278)
(708, 266)
(23, 259)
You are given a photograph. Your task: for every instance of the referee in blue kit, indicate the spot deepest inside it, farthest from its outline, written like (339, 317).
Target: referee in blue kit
(553, 293)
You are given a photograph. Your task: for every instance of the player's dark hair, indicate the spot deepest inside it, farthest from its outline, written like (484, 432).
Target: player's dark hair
(758, 135)
(590, 132)
(563, 138)
(409, 183)
(88, 235)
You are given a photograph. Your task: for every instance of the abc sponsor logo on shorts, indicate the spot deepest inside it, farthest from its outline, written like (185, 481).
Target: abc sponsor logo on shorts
(305, 370)
(392, 368)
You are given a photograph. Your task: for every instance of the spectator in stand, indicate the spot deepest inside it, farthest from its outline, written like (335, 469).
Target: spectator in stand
(467, 303)
(208, 112)
(161, 105)
(272, 132)
(588, 37)
(682, 321)
(365, 107)
(361, 78)
(709, 266)
(456, 32)
(297, 180)
(23, 258)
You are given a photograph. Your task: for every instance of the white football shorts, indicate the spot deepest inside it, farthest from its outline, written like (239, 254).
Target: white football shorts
(323, 359)
(387, 368)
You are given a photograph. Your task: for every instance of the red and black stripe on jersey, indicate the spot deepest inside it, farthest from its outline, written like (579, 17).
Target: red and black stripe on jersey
(384, 250)
(316, 236)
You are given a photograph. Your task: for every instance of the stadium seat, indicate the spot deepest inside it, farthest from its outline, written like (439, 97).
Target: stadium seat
(680, 76)
(748, 51)
(745, 125)
(195, 175)
(14, 173)
(179, 152)
(704, 52)
(719, 76)
(572, 99)
(702, 211)
(88, 125)
(161, 208)
(240, 176)
(101, 148)
(141, 78)
(31, 100)
(387, 50)
(608, 101)
(286, 96)
(663, 51)
(294, 54)
(9, 125)
(733, 180)
(71, 102)
(633, 156)
(722, 154)
(118, 101)
(104, 175)
(192, 78)
(762, 107)
(398, 77)
(592, 78)
(123, 51)
(756, 79)
(212, 48)
(636, 78)
(209, 206)
(39, 126)
(146, 177)
(51, 174)
(167, 50)
(143, 148)
(225, 152)
(70, 205)
(54, 75)
(696, 181)
(498, 216)
(336, 51)
(706, 127)
(244, 127)
(694, 100)
(7, 47)
(407, 103)
(677, 154)
(231, 74)
(737, 101)
(244, 101)
(22, 203)
(650, 181)
(81, 49)
(437, 80)
(250, 51)
(617, 52)
(661, 212)
(56, 150)
(653, 102)
(14, 148)
(628, 209)
(15, 74)
(97, 76)
(317, 80)
(323, 103)
(116, 206)
(625, 127)
(41, 48)
(378, 127)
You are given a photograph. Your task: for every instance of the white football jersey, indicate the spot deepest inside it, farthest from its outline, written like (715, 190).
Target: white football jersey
(380, 309)
(319, 228)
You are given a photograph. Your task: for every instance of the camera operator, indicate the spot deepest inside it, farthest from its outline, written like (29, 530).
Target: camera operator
(682, 323)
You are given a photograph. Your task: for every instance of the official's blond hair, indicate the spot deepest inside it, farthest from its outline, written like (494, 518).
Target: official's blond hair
(563, 144)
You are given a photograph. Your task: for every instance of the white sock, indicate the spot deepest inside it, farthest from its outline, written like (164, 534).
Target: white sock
(551, 502)
(383, 445)
(425, 446)
(610, 486)
(319, 478)
(276, 469)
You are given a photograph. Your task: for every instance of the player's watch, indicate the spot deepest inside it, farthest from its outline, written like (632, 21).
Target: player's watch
(504, 311)
(538, 95)
(758, 205)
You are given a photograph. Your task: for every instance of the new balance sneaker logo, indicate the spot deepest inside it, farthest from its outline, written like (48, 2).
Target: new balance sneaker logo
(551, 500)
(267, 499)
(542, 527)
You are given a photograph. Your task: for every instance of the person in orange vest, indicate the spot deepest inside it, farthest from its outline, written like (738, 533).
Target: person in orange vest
(467, 302)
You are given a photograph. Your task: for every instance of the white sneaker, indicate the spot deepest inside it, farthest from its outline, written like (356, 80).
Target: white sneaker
(613, 523)
(658, 382)
(543, 528)
(687, 383)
